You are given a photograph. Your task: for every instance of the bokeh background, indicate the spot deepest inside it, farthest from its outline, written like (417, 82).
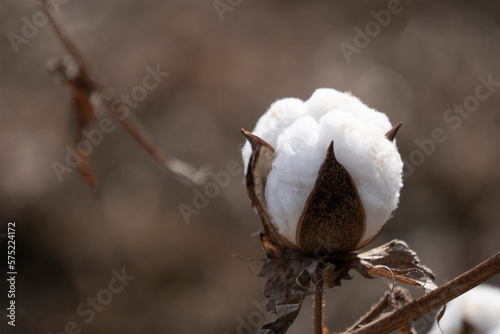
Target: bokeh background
(223, 76)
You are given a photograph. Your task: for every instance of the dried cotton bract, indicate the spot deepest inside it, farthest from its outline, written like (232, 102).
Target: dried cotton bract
(329, 173)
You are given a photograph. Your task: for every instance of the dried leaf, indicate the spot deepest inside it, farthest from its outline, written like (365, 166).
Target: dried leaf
(333, 219)
(396, 261)
(290, 273)
(288, 280)
(333, 274)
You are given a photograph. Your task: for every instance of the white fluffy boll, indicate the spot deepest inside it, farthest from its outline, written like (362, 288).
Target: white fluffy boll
(479, 308)
(301, 132)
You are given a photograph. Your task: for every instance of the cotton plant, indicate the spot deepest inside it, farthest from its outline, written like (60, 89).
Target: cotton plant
(477, 311)
(325, 176)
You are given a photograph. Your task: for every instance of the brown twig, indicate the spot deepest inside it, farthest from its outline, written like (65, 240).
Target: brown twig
(434, 299)
(318, 305)
(178, 168)
(394, 299)
(374, 312)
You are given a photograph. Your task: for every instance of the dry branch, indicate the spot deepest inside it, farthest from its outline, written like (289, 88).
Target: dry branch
(434, 299)
(373, 313)
(182, 170)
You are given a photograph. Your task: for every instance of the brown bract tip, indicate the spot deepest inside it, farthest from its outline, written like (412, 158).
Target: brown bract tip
(391, 134)
(256, 141)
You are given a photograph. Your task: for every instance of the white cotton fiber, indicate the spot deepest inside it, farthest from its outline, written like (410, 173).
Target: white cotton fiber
(325, 100)
(278, 117)
(301, 132)
(479, 308)
(293, 175)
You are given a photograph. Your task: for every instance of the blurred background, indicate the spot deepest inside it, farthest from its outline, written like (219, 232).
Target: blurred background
(227, 64)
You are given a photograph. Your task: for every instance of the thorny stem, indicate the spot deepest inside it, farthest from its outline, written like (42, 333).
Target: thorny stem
(434, 299)
(318, 305)
(178, 168)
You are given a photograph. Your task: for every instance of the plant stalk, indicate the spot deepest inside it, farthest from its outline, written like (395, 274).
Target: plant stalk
(434, 299)
(318, 305)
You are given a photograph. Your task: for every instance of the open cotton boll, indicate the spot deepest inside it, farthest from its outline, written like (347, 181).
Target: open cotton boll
(479, 308)
(300, 132)
(278, 117)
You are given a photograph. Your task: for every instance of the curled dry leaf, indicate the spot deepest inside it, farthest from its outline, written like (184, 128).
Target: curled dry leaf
(330, 229)
(288, 280)
(396, 261)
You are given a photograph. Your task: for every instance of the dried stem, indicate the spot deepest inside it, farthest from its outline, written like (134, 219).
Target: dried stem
(178, 168)
(318, 305)
(432, 300)
(374, 312)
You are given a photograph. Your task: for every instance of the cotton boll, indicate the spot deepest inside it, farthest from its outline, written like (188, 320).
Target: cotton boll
(479, 308)
(294, 172)
(300, 132)
(278, 117)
